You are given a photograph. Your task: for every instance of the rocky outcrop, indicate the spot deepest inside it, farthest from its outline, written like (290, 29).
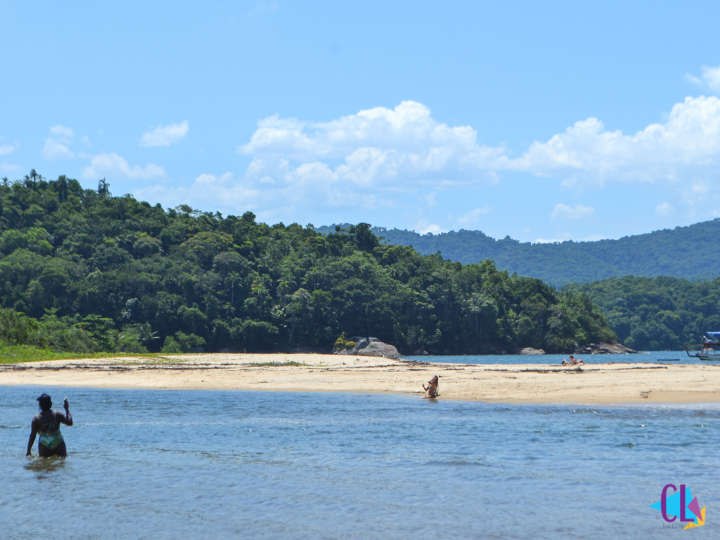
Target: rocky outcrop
(531, 351)
(362, 346)
(605, 348)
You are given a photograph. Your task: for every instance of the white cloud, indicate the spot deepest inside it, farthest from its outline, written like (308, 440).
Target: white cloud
(548, 241)
(710, 78)
(425, 227)
(9, 167)
(565, 212)
(114, 166)
(396, 147)
(686, 145)
(57, 146)
(473, 217)
(567, 236)
(665, 209)
(56, 150)
(165, 135)
(394, 153)
(62, 131)
(398, 158)
(210, 191)
(6, 149)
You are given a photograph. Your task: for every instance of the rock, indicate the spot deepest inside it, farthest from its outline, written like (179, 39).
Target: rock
(605, 348)
(421, 352)
(530, 350)
(368, 347)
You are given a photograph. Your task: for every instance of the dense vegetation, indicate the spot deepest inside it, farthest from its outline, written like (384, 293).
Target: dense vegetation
(83, 271)
(657, 313)
(684, 252)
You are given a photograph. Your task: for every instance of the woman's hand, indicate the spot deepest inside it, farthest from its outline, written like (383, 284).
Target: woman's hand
(66, 404)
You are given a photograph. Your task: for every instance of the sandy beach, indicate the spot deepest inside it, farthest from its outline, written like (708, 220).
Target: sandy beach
(595, 383)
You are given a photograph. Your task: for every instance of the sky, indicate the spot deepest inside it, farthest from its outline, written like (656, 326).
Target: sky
(542, 121)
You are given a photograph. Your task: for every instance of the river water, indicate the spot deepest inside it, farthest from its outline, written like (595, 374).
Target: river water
(161, 464)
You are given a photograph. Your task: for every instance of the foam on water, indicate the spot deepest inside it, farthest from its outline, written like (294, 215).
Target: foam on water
(214, 464)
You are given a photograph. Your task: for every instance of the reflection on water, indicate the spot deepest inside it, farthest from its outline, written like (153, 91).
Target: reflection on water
(212, 464)
(45, 466)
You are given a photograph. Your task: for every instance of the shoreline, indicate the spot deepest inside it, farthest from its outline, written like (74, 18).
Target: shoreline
(592, 384)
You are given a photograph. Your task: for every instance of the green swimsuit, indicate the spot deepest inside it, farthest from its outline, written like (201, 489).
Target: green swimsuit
(50, 440)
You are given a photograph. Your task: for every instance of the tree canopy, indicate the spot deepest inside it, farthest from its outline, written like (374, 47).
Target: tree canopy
(662, 313)
(82, 270)
(684, 252)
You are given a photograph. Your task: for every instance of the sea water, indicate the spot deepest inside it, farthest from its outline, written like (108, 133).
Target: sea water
(652, 357)
(162, 464)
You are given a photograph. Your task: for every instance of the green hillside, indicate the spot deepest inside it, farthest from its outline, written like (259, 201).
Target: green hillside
(691, 253)
(657, 313)
(83, 271)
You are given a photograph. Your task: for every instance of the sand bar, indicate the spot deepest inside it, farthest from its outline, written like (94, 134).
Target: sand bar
(595, 383)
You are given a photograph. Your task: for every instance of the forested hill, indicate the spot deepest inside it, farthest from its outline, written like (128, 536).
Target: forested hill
(83, 271)
(691, 252)
(657, 313)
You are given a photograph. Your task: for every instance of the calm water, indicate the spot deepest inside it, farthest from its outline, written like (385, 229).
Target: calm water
(654, 357)
(213, 464)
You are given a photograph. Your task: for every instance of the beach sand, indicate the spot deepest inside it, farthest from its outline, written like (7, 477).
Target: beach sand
(592, 384)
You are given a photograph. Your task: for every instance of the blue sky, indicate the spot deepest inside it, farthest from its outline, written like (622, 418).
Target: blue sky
(542, 121)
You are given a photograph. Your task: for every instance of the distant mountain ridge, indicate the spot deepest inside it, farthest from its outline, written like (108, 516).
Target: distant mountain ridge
(691, 252)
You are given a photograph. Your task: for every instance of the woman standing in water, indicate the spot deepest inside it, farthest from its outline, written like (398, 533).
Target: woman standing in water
(47, 424)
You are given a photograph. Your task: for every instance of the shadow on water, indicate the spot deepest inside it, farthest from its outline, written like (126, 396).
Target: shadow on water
(45, 466)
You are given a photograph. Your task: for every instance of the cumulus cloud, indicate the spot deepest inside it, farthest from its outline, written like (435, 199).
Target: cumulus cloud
(565, 212)
(709, 79)
(403, 151)
(165, 135)
(114, 166)
(223, 192)
(398, 158)
(472, 217)
(685, 145)
(548, 241)
(57, 146)
(425, 227)
(396, 147)
(6, 149)
(665, 209)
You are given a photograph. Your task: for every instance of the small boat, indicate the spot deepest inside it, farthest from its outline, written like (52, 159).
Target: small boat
(710, 349)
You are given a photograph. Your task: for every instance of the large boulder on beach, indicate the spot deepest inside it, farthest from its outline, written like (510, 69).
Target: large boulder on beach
(367, 346)
(531, 351)
(605, 348)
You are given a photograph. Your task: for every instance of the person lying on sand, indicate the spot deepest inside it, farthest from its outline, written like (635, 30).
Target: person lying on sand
(431, 390)
(573, 361)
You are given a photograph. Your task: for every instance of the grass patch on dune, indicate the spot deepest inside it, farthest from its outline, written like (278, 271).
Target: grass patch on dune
(16, 354)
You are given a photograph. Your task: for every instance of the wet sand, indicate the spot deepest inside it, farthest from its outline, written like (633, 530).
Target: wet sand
(592, 384)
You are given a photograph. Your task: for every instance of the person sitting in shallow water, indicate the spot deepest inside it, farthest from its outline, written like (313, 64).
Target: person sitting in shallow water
(47, 425)
(432, 390)
(573, 361)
